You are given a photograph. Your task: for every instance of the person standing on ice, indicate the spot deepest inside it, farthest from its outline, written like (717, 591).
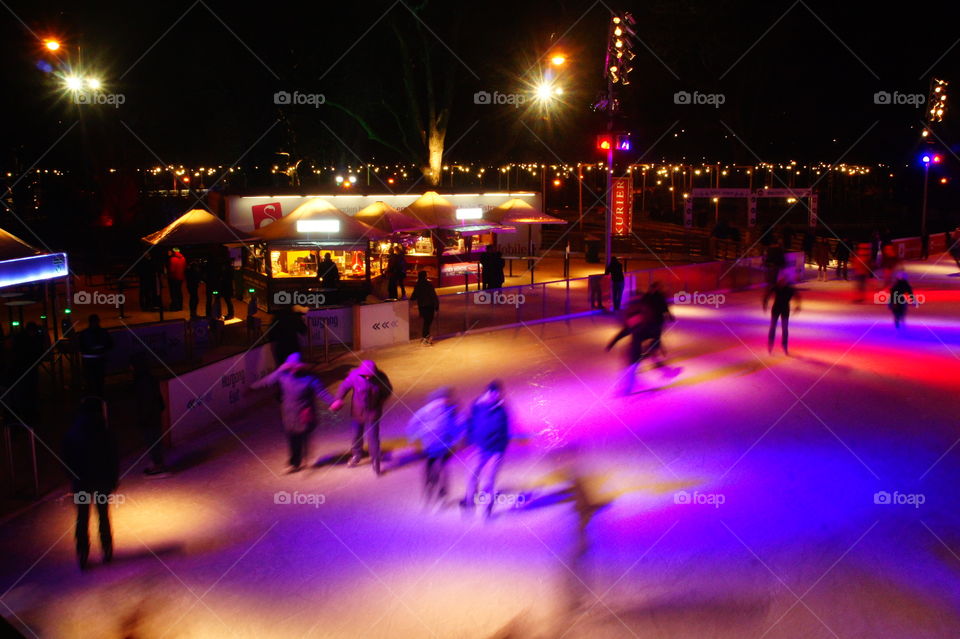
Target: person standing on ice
(488, 431)
(371, 389)
(901, 293)
(91, 456)
(436, 427)
(299, 391)
(782, 293)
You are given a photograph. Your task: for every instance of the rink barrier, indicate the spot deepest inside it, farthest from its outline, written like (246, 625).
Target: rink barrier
(471, 311)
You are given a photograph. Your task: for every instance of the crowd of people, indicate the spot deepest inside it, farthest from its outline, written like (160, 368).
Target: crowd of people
(215, 270)
(440, 428)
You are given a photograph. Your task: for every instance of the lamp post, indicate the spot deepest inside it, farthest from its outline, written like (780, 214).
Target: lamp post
(617, 66)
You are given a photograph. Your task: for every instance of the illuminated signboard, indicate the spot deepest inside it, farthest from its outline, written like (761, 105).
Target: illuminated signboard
(621, 206)
(33, 269)
(318, 226)
(473, 213)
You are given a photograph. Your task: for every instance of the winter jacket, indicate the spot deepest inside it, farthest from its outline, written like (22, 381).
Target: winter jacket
(436, 427)
(425, 296)
(488, 426)
(177, 267)
(299, 390)
(91, 455)
(94, 342)
(369, 395)
(615, 271)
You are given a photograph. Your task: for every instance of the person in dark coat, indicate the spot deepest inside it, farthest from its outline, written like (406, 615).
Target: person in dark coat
(639, 324)
(659, 313)
(842, 253)
(371, 389)
(92, 460)
(147, 278)
(299, 391)
(285, 333)
(901, 294)
(782, 293)
(486, 267)
(436, 427)
(488, 431)
(497, 263)
(615, 271)
(176, 272)
(94, 342)
(150, 405)
(328, 273)
(428, 303)
(194, 276)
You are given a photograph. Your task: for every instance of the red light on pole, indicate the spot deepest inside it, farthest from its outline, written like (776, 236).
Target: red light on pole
(937, 159)
(604, 142)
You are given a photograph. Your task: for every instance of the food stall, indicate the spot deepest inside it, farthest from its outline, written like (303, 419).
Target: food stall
(285, 266)
(453, 238)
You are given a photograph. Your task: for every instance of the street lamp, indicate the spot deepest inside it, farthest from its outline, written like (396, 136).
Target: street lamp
(51, 45)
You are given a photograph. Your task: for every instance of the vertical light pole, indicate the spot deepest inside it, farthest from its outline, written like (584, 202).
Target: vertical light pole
(617, 66)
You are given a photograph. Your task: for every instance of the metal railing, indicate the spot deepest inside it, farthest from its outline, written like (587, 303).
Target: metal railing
(475, 310)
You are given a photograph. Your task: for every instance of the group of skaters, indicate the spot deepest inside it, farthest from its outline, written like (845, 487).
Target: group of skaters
(437, 428)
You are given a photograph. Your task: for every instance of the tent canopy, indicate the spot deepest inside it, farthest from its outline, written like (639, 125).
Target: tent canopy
(432, 211)
(517, 211)
(317, 219)
(384, 217)
(197, 227)
(12, 247)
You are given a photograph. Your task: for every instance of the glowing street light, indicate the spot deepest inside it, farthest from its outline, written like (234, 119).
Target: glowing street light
(51, 45)
(94, 83)
(558, 59)
(73, 83)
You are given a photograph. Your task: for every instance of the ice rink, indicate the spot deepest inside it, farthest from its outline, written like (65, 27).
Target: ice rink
(735, 494)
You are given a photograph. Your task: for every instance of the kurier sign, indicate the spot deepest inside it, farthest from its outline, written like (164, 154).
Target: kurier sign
(621, 206)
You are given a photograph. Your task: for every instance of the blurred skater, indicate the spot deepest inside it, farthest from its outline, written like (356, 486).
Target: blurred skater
(640, 326)
(299, 393)
(659, 313)
(371, 389)
(436, 427)
(782, 293)
(901, 294)
(92, 459)
(488, 431)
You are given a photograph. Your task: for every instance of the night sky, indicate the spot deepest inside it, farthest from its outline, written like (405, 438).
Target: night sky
(198, 80)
